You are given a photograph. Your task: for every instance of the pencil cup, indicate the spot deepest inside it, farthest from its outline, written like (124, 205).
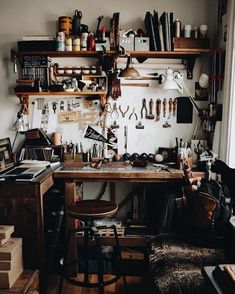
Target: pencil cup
(56, 138)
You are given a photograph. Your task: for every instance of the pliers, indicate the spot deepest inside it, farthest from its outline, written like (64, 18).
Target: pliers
(144, 108)
(133, 113)
(123, 112)
(114, 113)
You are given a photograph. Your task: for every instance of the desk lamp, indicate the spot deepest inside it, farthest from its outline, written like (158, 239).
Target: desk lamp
(174, 81)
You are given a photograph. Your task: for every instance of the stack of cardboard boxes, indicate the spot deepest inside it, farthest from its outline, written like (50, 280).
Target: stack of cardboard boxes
(11, 258)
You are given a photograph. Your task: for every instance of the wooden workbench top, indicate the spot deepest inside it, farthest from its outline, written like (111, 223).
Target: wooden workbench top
(119, 171)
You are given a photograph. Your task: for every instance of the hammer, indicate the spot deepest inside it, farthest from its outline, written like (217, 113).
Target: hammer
(150, 115)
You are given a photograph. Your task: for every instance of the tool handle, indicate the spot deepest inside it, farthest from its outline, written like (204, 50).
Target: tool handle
(174, 106)
(158, 106)
(164, 105)
(170, 105)
(151, 106)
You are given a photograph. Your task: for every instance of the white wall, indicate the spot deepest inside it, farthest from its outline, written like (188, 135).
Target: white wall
(22, 17)
(27, 17)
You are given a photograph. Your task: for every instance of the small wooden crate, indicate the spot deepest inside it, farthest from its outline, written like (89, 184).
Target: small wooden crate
(191, 44)
(27, 283)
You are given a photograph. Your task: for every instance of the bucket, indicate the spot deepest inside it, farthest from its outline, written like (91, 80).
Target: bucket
(65, 25)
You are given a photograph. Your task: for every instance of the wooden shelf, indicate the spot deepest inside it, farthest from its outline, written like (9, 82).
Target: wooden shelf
(145, 54)
(83, 93)
(107, 238)
(24, 96)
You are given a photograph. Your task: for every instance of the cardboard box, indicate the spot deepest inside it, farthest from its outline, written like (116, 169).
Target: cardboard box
(8, 278)
(141, 44)
(27, 283)
(127, 43)
(7, 265)
(3, 241)
(10, 248)
(5, 232)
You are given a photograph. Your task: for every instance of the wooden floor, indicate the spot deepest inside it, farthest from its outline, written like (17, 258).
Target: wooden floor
(136, 285)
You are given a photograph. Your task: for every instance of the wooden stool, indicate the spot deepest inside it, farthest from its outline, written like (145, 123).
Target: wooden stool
(87, 211)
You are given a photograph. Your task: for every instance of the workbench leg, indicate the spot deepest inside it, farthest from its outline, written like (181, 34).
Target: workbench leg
(70, 198)
(112, 192)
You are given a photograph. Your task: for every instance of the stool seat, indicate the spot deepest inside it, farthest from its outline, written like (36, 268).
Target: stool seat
(92, 209)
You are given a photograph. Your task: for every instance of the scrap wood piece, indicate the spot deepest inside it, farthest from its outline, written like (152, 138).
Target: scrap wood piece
(145, 85)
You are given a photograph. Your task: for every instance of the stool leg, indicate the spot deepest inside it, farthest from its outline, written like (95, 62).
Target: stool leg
(86, 243)
(100, 266)
(119, 255)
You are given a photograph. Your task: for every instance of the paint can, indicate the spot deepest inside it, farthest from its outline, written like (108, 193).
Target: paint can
(65, 25)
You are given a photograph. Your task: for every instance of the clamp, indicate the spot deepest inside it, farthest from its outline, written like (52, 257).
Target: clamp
(133, 113)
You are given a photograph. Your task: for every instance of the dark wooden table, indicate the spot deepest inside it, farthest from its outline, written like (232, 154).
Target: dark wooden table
(21, 205)
(111, 172)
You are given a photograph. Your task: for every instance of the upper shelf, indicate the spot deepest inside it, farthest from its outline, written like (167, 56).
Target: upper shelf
(146, 54)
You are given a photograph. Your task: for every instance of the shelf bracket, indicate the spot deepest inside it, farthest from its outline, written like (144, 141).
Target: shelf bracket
(24, 100)
(190, 65)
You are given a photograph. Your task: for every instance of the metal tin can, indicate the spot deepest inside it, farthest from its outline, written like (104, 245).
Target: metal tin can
(68, 44)
(84, 38)
(187, 31)
(76, 44)
(177, 26)
(60, 41)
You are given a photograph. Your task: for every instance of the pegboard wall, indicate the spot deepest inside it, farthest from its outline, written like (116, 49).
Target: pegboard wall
(70, 114)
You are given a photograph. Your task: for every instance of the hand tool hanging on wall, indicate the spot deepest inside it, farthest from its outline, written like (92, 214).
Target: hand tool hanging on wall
(54, 106)
(123, 112)
(114, 113)
(114, 125)
(174, 106)
(158, 109)
(69, 106)
(61, 105)
(166, 125)
(164, 107)
(139, 125)
(144, 108)
(150, 115)
(125, 138)
(134, 114)
(170, 107)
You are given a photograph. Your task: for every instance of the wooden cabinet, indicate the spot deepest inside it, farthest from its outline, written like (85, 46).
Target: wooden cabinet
(21, 205)
(27, 283)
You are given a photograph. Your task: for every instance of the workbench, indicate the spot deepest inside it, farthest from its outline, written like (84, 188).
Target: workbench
(21, 205)
(113, 172)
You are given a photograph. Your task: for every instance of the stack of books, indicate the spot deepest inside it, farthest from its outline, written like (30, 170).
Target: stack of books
(224, 275)
(11, 258)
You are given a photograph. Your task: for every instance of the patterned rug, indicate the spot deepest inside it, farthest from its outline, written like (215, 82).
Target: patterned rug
(176, 266)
